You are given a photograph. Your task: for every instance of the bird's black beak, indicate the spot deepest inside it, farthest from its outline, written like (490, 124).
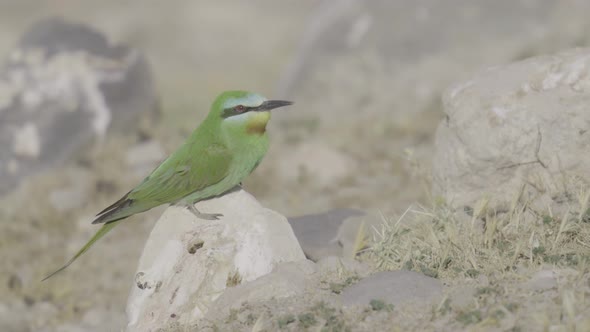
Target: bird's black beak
(272, 104)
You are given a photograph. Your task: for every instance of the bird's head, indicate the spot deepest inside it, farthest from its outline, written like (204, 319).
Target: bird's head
(242, 110)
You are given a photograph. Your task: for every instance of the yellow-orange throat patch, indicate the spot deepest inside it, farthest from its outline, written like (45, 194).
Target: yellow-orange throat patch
(257, 123)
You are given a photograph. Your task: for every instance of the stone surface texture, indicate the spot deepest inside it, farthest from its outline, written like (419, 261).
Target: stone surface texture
(393, 287)
(522, 125)
(187, 262)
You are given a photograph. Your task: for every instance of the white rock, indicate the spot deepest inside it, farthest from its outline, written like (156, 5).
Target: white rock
(524, 123)
(187, 262)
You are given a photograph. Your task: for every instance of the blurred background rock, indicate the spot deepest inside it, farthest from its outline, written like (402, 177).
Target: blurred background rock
(366, 77)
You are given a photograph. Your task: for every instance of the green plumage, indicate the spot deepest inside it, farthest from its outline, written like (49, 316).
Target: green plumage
(219, 154)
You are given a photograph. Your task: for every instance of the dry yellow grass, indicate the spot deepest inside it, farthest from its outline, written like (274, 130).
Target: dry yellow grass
(499, 253)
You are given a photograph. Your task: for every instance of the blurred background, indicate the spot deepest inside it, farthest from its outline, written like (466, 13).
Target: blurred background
(94, 94)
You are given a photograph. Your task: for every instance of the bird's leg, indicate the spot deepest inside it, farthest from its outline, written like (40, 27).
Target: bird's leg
(200, 215)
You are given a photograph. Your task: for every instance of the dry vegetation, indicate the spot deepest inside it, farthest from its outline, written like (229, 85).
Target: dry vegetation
(524, 268)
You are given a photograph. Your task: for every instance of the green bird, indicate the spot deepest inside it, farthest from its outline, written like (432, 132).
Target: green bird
(225, 148)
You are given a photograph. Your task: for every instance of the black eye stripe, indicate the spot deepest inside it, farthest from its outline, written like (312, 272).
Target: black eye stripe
(231, 111)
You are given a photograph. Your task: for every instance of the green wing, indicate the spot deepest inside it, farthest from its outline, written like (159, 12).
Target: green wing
(183, 173)
(178, 177)
(191, 168)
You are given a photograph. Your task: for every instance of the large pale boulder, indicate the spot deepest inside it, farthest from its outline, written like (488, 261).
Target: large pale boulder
(520, 126)
(187, 262)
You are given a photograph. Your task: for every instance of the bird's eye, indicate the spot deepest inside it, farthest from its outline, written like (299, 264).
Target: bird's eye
(239, 108)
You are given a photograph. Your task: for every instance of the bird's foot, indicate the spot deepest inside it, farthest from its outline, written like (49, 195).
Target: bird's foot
(206, 216)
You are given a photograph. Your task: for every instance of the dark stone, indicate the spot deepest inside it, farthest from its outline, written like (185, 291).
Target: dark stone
(317, 233)
(64, 86)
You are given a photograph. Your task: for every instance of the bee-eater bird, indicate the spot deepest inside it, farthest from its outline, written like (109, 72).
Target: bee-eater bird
(224, 149)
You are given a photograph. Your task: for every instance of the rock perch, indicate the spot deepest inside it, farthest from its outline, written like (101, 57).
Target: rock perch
(187, 262)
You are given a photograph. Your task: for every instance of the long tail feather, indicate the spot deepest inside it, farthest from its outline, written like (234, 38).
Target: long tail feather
(100, 233)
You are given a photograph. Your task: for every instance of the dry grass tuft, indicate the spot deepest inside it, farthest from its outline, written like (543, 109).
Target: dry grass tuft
(443, 242)
(502, 255)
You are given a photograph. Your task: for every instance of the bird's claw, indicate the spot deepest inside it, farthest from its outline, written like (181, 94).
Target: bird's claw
(205, 216)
